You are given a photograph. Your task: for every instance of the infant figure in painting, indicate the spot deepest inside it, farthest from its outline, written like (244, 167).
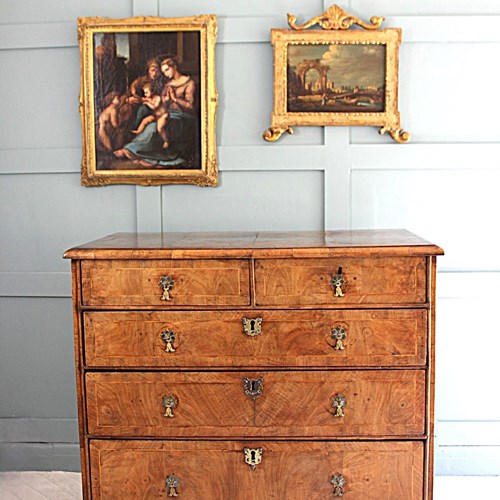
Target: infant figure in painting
(159, 113)
(109, 122)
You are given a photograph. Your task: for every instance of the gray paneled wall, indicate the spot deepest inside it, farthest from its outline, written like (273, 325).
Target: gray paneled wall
(443, 186)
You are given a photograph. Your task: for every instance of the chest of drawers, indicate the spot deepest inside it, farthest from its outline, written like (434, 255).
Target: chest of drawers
(255, 365)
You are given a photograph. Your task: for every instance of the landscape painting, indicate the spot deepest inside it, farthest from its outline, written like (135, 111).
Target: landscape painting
(336, 78)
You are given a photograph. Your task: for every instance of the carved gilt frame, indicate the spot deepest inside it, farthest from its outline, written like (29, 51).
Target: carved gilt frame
(297, 104)
(119, 58)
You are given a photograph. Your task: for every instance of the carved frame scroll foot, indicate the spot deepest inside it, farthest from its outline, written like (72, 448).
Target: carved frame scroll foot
(367, 95)
(399, 135)
(272, 134)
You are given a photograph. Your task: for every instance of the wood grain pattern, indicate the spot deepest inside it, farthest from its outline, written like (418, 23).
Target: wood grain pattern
(299, 470)
(366, 243)
(197, 282)
(302, 282)
(382, 443)
(288, 339)
(299, 404)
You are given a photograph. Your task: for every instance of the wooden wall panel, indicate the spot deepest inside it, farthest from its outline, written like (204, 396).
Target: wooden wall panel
(443, 185)
(441, 205)
(43, 214)
(250, 201)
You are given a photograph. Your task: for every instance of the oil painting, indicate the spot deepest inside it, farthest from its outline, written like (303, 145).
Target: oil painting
(148, 100)
(336, 76)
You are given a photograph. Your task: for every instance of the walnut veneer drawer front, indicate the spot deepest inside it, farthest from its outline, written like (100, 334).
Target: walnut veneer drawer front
(321, 404)
(256, 338)
(190, 283)
(251, 366)
(376, 280)
(219, 470)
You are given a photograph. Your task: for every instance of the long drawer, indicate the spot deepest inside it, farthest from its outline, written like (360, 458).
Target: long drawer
(229, 470)
(332, 282)
(256, 338)
(165, 283)
(268, 403)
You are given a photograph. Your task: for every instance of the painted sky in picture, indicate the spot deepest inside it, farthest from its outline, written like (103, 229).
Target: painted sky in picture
(350, 65)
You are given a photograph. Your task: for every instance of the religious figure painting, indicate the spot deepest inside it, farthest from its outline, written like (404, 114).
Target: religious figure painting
(148, 100)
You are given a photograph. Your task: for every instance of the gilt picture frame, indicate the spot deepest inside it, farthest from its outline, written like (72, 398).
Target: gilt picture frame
(148, 100)
(336, 76)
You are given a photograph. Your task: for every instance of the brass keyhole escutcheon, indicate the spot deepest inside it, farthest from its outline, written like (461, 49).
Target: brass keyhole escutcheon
(252, 327)
(168, 337)
(337, 282)
(253, 387)
(338, 481)
(253, 456)
(170, 403)
(172, 482)
(339, 402)
(166, 283)
(339, 335)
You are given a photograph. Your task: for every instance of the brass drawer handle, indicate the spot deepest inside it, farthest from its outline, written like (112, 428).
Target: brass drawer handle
(253, 387)
(338, 482)
(172, 483)
(168, 337)
(339, 402)
(253, 456)
(166, 283)
(337, 282)
(338, 335)
(169, 402)
(252, 327)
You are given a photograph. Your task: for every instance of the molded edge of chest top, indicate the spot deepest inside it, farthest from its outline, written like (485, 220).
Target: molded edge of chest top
(306, 244)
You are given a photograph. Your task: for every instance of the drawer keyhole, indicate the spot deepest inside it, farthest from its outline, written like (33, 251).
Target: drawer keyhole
(252, 327)
(253, 387)
(253, 457)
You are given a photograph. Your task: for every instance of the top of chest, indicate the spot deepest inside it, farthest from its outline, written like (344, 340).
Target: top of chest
(213, 245)
(322, 269)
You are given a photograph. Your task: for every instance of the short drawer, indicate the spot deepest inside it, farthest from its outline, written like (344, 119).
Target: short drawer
(255, 470)
(277, 403)
(257, 338)
(340, 281)
(186, 283)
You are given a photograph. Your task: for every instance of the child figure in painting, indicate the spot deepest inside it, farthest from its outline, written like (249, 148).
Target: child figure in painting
(109, 132)
(159, 113)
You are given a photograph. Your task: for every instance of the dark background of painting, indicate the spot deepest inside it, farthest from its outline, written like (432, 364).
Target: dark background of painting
(116, 72)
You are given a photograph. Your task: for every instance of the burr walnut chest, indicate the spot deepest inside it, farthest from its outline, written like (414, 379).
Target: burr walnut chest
(241, 366)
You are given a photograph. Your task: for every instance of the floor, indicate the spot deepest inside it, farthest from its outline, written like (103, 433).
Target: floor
(66, 486)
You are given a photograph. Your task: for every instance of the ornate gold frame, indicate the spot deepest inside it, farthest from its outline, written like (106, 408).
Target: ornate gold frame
(335, 23)
(203, 174)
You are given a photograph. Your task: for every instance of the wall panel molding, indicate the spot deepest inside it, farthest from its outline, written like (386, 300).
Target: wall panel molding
(272, 157)
(468, 433)
(38, 430)
(145, 7)
(413, 156)
(39, 444)
(149, 208)
(467, 461)
(267, 156)
(35, 284)
(416, 29)
(40, 161)
(38, 36)
(337, 179)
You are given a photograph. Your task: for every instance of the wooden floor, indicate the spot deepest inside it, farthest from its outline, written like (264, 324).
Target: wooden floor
(66, 486)
(40, 486)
